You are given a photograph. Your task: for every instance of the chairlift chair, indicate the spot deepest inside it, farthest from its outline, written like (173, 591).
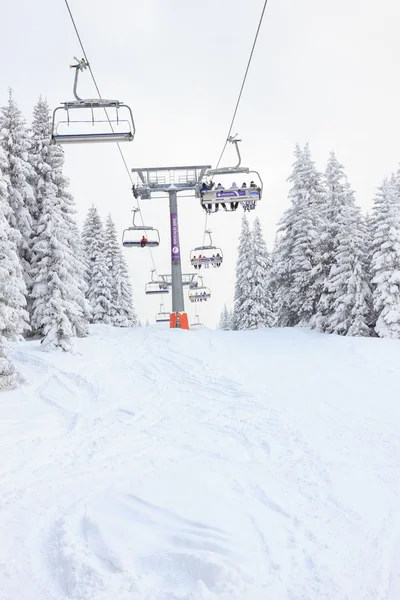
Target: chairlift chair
(132, 240)
(162, 316)
(200, 293)
(210, 255)
(246, 196)
(92, 129)
(197, 323)
(156, 286)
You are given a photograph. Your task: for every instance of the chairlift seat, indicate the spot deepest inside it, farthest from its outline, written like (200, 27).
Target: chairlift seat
(135, 244)
(201, 293)
(129, 240)
(154, 287)
(212, 260)
(241, 194)
(162, 318)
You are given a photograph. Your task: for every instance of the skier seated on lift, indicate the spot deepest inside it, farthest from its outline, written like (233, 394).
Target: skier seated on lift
(234, 187)
(254, 186)
(143, 241)
(218, 259)
(205, 187)
(219, 187)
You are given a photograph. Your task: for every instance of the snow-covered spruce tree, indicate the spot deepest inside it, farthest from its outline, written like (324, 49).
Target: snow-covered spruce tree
(385, 262)
(341, 217)
(261, 309)
(244, 276)
(13, 317)
(100, 284)
(122, 313)
(59, 308)
(349, 307)
(296, 273)
(14, 139)
(99, 291)
(224, 321)
(93, 242)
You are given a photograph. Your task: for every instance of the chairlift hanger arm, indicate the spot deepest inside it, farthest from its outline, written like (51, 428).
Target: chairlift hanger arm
(80, 66)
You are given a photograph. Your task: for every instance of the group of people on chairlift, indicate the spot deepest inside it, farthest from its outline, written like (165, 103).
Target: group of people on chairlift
(198, 296)
(246, 204)
(215, 260)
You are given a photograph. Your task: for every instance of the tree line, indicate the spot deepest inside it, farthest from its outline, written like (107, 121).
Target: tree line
(53, 282)
(332, 267)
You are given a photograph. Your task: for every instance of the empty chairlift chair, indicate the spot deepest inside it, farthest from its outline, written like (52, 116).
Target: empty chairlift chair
(156, 286)
(140, 236)
(197, 323)
(102, 120)
(206, 255)
(162, 316)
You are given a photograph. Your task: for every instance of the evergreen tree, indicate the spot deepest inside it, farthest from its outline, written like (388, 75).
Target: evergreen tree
(13, 317)
(122, 313)
(59, 309)
(93, 241)
(385, 264)
(14, 139)
(244, 275)
(347, 288)
(261, 309)
(224, 321)
(345, 303)
(100, 286)
(297, 268)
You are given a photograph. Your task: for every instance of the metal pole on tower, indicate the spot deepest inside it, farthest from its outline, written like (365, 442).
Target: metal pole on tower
(178, 304)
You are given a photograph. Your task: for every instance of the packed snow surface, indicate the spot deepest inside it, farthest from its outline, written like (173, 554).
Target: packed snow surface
(202, 465)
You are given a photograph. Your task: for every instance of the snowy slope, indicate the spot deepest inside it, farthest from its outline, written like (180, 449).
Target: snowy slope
(165, 465)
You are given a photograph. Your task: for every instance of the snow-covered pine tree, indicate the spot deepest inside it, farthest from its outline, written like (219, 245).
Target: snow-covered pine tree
(59, 308)
(347, 287)
(14, 139)
(244, 276)
(385, 263)
(342, 299)
(93, 241)
(122, 313)
(13, 316)
(100, 286)
(296, 273)
(261, 309)
(224, 321)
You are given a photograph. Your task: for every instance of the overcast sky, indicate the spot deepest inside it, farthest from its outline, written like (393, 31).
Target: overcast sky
(323, 72)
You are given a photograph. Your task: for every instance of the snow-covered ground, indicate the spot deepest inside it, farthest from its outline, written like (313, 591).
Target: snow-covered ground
(166, 465)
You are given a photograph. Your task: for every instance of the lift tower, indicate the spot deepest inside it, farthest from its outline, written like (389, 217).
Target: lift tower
(171, 180)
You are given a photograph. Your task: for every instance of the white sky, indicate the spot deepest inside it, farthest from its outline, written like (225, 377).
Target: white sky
(323, 72)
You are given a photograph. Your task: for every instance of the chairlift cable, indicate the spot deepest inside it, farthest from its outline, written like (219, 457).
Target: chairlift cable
(205, 229)
(243, 82)
(105, 110)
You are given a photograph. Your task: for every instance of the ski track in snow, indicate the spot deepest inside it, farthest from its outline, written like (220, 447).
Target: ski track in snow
(166, 465)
